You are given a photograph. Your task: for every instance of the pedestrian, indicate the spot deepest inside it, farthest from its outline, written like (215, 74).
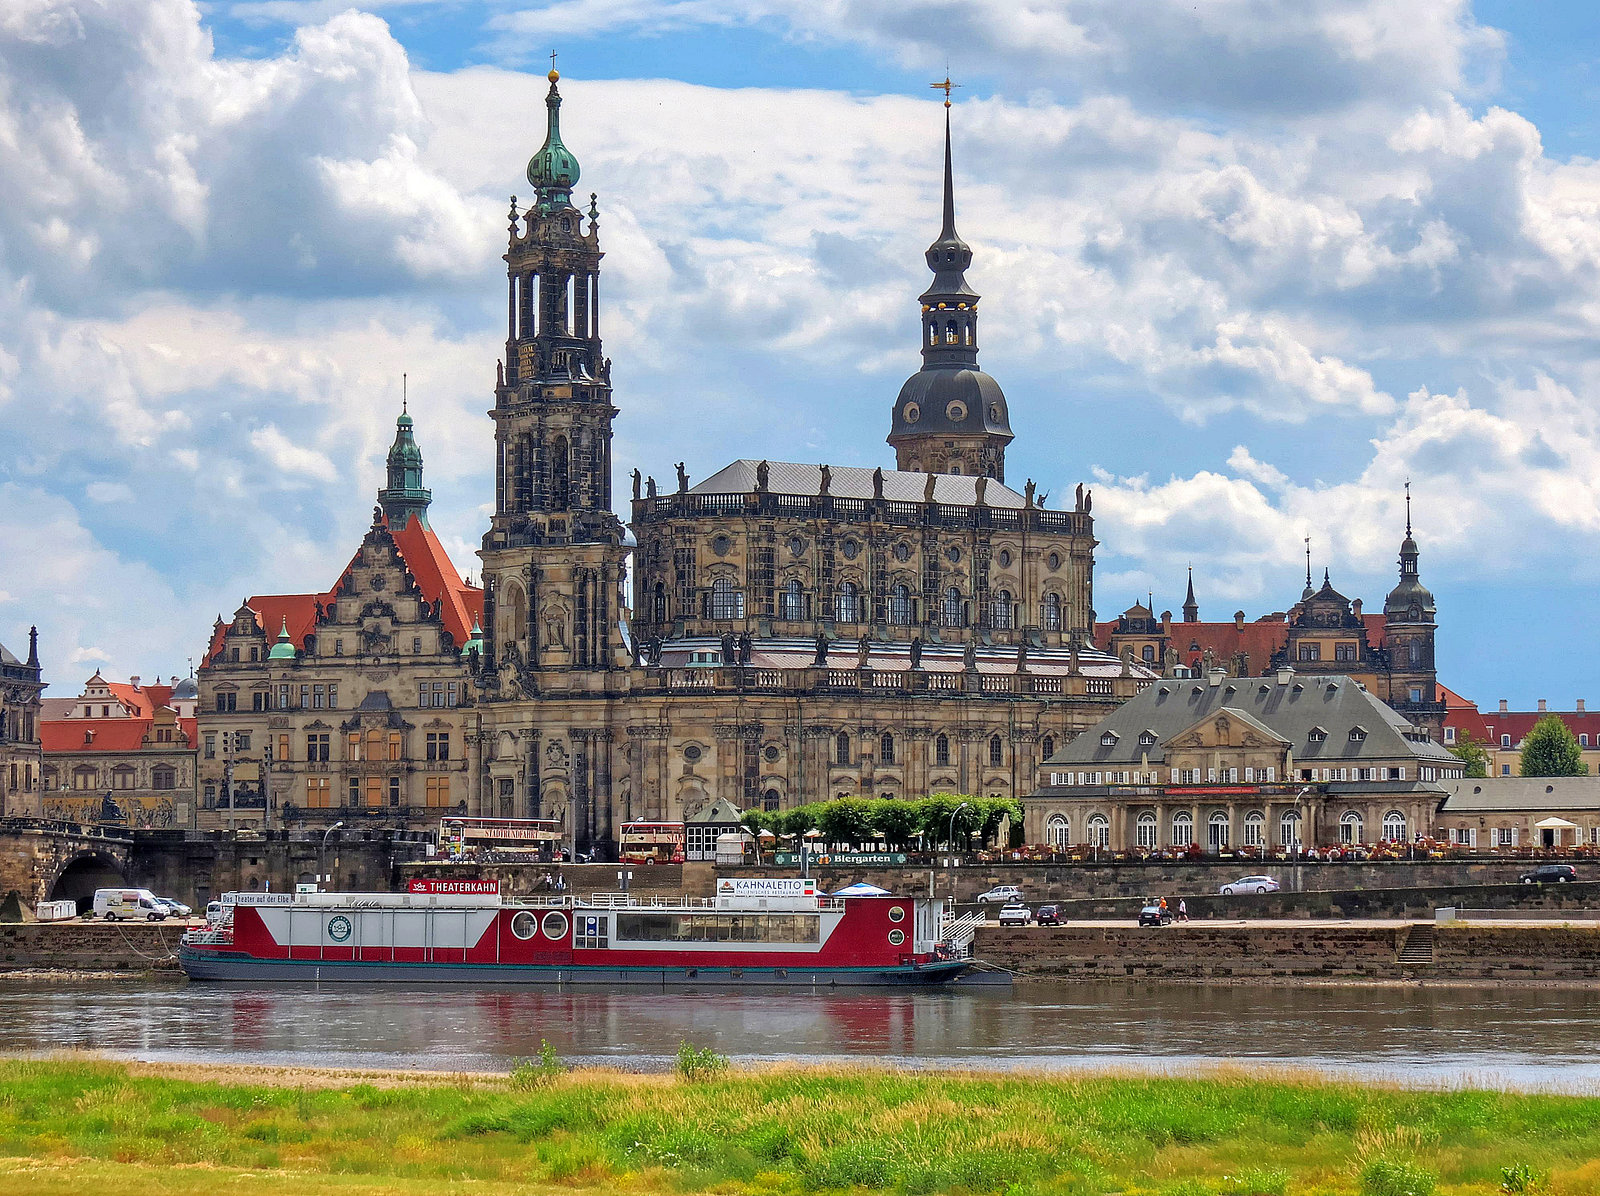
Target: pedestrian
(1163, 908)
(1183, 910)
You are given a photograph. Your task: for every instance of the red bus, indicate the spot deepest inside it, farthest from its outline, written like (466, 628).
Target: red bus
(651, 843)
(535, 837)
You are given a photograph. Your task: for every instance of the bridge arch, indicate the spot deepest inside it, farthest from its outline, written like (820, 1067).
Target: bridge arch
(81, 875)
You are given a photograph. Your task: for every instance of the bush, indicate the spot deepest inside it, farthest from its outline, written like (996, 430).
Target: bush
(1520, 1177)
(528, 1075)
(1391, 1177)
(699, 1063)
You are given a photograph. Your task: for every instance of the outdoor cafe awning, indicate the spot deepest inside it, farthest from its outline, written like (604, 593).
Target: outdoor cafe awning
(1554, 824)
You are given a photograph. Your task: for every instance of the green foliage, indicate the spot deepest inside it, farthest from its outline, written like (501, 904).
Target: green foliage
(699, 1063)
(847, 820)
(1396, 1177)
(1522, 1177)
(1258, 1181)
(756, 820)
(1473, 755)
(1551, 750)
(897, 822)
(528, 1075)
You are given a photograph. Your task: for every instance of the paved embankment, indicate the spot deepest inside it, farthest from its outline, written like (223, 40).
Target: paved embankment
(1385, 950)
(90, 946)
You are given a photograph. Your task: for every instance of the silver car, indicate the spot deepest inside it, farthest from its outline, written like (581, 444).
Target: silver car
(1249, 884)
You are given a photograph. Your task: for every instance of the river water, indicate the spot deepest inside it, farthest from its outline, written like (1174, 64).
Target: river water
(1521, 1038)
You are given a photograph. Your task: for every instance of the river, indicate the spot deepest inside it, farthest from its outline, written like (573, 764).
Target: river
(1518, 1038)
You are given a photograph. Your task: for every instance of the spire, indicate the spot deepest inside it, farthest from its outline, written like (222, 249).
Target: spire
(948, 232)
(33, 647)
(1308, 591)
(404, 495)
(1408, 508)
(1191, 608)
(1409, 601)
(553, 170)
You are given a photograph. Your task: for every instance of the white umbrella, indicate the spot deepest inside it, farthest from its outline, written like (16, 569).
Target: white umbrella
(862, 889)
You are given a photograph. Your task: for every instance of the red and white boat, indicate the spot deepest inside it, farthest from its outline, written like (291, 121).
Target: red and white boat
(762, 932)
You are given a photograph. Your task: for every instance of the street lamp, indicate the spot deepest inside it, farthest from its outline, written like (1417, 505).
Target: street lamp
(322, 851)
(952, 835)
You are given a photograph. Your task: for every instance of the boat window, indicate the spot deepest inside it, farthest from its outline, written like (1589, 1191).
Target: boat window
(718, 928)
(554, 926)
(589, 933)
(523, 924)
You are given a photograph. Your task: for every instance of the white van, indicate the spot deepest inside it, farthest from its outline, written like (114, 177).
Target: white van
(115, 904)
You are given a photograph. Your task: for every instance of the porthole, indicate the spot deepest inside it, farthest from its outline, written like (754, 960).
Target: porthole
(896, 937)
(994, 413)
(796, 546)
(554, 926)
(691, 753)
(1054, 560)
(1005, 558)
(953, 554)
(956, 412)
(771, 753)
(850, 550)
(897, 913)
(911, 412)
(524, 924)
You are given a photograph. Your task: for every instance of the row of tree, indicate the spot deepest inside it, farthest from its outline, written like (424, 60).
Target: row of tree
(1549, 750)
(940, 818)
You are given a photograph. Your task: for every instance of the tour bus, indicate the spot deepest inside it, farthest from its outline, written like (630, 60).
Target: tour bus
(117, 904)
(651, 843)
(537, 838)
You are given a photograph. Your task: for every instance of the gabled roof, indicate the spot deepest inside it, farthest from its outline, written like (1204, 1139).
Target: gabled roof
(1233, 712)
(719, 811)
(1287, 712)
(1485, 795)
(855, 481)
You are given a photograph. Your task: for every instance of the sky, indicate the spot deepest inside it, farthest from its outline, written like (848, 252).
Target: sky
(1247, 267)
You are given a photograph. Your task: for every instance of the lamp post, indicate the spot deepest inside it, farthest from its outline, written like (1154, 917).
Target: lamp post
(322, 852)
(952, 834)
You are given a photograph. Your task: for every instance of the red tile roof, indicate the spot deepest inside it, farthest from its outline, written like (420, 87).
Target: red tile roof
(1462, 714)
(1518, 723)
(110, 735)
(1258, 640)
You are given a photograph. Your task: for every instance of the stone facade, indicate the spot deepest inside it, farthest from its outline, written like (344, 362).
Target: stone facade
(21, 755)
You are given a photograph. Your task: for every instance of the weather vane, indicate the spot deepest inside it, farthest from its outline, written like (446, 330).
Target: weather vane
(946, 86)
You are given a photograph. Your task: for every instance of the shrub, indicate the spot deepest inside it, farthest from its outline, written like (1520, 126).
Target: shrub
(1520, 1177)
(699, 1063)
(1257, 1182)
(1391, 1177)
(528, 1075)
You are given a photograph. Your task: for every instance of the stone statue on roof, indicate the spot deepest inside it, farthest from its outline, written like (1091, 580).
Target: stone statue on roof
(761, 477)
(637, 479)
(979, 485)
(827, 480)
(863, 651)
(927, 489)
(820, 660)
(1022, 656)
(1027, 493)
(729, 656)
(650, 487)
(969, 656)
(877, 483)
(747, 647)
(916, 652)
(683, 479)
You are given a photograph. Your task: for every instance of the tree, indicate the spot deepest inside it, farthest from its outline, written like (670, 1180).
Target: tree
(896, 820)
(756, 821)
(995, 810)
(1551, 750)
(1474, 758)
(847, 820)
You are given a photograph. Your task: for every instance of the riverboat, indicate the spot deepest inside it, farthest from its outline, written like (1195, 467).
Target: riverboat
(777, 932)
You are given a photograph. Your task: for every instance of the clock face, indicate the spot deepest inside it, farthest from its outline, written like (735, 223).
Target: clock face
(956, 412)
(911, 413)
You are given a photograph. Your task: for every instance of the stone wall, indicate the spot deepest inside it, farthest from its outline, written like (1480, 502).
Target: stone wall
(90, 946)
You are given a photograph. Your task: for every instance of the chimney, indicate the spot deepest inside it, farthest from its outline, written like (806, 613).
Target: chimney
(1355, 608)
(1285, 675)
(1238, 620)
(1503, 709)
(1580, 706)
(1216, 676)
(134, 680)
(1542, 707)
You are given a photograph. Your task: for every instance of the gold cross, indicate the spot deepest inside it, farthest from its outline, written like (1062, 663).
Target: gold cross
(945, 87)
(552, 60)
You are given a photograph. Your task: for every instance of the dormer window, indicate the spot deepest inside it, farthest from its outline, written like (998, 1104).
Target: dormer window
(1357, 734)
(1148, 739)
(1109, 739)
(1317, 735)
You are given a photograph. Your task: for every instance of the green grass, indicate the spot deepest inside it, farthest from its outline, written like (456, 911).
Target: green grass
(82, 1126)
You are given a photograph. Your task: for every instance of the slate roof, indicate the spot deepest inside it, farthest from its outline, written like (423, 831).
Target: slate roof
(855, 481)
(1490, 795)
(1290, 711)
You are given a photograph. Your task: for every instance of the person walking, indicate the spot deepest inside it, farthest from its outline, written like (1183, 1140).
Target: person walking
(1183, 910)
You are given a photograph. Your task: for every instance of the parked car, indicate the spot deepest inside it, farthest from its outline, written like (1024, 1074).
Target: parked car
(116, 904)
(1153, 915)
(1550, 874)
(175, 908)
(1015, 915)
(1003, 894)
(1048, 915)
(1249, 884)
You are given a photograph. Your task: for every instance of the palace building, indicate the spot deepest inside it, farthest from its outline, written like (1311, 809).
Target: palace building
(21, 758)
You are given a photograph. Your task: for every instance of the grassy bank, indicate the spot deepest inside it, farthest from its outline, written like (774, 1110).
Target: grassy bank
(76, 1127)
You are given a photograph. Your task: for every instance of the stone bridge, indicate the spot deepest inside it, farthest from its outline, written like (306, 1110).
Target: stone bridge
(43, 860)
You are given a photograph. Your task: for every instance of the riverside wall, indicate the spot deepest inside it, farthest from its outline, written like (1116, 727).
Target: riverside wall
(90, 946)
(1199, 952)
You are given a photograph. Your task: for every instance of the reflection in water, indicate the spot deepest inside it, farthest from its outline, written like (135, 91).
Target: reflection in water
(1525, 1038)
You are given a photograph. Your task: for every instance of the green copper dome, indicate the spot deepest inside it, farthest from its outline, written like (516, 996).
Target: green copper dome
(553, 171)
(475, 644)
(284, 648)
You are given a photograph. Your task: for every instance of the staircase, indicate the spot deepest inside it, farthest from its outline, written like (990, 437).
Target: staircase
(1417, 950)
(958, 932)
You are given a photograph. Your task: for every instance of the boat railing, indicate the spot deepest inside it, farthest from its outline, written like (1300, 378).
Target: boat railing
(635, 901)
(208, 938)
(958, 932)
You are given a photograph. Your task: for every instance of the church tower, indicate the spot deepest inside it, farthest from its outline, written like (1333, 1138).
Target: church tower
(951, 416)
(553, 558)
(1409, 630)
(404, 497)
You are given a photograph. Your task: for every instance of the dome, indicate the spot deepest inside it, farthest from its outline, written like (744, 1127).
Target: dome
(553, 170)
(1410, 595)
(936, 402)
(187, 688)
(284, 648)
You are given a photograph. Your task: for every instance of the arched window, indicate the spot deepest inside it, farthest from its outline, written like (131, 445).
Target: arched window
(1148, 653)
(560, 475)
(769, 800)
(1099, 830)
(847, 603)
(1047, 747)
(794, 602)
(1217, 830)
(1416, 654)
(1050, 615)
(1058, 832)
(951, 611)
(950, 335)
(886, 749)
(1350, 827)
(1289, 830)
(1145, 830)
(841, 748)
(941, 749)
(900, 606)
(997, 751)
(1182, 829)
(1000, 615)
(1255, 828)
(163, 776)
(1394, 825)
(933, 332)
(658, 603)
(727, 602)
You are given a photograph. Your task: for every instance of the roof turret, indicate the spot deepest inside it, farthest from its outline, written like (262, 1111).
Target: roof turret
(284, 648)
(553, 170)
(1410, 601)
(404, 496)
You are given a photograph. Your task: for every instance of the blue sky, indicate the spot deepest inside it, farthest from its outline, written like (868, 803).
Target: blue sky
(1247, 267)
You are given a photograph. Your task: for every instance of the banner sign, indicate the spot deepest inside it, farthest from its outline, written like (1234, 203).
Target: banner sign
(428, 884)
(840, 859)
(258, 899)
(768, 886)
